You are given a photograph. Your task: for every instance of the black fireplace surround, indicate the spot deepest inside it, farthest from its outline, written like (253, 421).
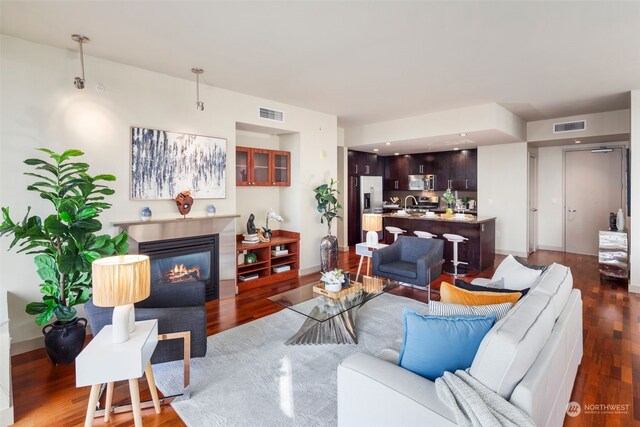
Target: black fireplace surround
(185, 260)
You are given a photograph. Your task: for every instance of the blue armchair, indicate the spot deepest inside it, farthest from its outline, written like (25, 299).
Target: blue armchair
(178, 307)
(410, 260)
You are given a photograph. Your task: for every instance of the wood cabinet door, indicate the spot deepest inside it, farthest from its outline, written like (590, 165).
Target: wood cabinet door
(281, 162)
(442, 169)
(353, 208)
(471, 171)
(457, 171)
(370, 165)
(243, 166)
(352, 162)
(261, 167)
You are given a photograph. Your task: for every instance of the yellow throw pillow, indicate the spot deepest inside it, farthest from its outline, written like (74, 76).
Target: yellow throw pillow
(451, 294)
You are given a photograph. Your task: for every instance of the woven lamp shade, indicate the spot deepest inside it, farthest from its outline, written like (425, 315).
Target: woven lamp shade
(121, 280)
(372, 222)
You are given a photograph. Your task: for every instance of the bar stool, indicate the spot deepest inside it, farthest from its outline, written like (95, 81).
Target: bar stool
(424, 234)
(455, 239)
(395, 231)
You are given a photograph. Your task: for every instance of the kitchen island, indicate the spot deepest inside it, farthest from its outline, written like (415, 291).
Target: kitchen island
(479, 251)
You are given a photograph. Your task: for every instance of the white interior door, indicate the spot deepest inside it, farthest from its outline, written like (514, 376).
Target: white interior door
(593, 188)
(533, 204)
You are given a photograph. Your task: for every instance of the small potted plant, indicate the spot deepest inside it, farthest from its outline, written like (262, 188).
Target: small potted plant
(333, 280)
(450, 198)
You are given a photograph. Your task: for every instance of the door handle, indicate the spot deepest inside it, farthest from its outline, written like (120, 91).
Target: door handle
(466, 183)
(366, 169)
(571, 210)
(355, 178)
(533, 210)
(356, 168)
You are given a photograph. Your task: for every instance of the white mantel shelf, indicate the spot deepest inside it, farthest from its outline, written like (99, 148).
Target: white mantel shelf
(126, 224)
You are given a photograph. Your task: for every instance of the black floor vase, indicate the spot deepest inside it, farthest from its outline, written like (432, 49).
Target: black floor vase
(64, 341)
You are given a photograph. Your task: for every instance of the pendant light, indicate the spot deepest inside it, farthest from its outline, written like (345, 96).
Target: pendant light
(78, 82)
(197, 72)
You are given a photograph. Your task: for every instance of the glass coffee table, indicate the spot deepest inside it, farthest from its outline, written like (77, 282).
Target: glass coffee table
(330, 319)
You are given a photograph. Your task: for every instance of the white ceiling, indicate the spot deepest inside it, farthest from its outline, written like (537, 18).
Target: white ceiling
(367, 61)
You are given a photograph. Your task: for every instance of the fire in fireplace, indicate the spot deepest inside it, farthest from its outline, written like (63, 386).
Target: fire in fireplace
(185, 260)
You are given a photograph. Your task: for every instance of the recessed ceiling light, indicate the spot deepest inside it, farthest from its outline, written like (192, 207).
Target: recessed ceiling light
(577, 141)
(387, 143)
(375, 149)
(463, 134)
(396, 154)
(456, 149)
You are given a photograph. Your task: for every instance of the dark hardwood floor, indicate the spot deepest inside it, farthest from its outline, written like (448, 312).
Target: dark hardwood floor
(609, 374)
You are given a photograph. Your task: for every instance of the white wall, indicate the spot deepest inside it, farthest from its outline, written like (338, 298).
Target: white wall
(41, 108)
(257, 200)
(471, 119)
(502, 193)
(598, 124)
(342, 230)
(634, 282)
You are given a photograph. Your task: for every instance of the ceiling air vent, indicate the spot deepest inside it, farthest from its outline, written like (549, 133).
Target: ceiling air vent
(268, 114)
(570, 126)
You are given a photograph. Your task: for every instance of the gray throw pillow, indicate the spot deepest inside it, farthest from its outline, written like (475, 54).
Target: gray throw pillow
(437, 308)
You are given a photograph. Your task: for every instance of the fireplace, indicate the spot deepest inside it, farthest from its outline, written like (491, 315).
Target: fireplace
(185, 260)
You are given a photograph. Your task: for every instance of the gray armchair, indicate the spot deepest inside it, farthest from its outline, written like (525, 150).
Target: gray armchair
(178, 308)
(410, 260)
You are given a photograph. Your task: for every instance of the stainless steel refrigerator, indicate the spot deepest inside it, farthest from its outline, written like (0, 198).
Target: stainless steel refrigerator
(370, 198)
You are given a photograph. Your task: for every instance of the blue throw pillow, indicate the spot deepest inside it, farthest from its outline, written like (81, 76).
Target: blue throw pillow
(435, 344)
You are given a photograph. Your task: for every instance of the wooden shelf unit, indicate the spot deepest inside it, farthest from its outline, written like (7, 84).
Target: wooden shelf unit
(266, 261)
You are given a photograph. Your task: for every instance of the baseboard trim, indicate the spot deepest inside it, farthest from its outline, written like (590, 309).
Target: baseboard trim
(309, 270)
(634, 289)
(6, 416)
(27, 345)
(514, 253)
(551, 248)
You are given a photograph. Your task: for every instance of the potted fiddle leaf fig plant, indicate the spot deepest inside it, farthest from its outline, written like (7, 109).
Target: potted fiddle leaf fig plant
(65, 244)
(329, 208)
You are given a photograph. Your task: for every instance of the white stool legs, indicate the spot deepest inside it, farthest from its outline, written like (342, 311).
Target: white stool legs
(455, 239)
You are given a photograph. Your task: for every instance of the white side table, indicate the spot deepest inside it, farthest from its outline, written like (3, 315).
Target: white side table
(365, 250)
(103, 362)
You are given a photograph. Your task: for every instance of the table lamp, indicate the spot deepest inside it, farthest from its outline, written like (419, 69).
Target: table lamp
(120, 281)
(372, 223)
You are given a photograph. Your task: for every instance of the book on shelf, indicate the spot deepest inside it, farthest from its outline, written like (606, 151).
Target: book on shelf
(247, 277)
(281, 268)
(278, 253)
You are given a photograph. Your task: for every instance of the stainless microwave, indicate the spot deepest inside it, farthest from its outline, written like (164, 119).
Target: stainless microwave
(422, 182)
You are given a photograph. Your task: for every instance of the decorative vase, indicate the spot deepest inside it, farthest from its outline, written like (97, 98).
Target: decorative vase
(612, 222)
(211, 210)
(333, 287)
(64, 341)
(145, 214)
(328, 252)
(620, 220)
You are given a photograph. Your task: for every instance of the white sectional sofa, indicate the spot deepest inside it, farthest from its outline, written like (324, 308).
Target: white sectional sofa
(530, 357)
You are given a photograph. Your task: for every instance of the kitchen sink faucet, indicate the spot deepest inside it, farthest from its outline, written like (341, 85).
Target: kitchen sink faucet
(414, 200)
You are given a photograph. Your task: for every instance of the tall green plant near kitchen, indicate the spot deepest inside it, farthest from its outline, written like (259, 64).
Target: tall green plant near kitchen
(65, 241)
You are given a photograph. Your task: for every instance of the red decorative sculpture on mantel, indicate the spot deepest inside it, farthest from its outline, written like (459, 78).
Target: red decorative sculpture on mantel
(184, 201)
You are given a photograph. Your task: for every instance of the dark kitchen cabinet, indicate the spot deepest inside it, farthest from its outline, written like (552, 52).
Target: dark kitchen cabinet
(353, 208)
(457, 170)
(423, 164)
(360, 163)
(396, 172)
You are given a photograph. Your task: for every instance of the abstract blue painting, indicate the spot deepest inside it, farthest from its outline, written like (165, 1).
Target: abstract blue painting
(165, 163)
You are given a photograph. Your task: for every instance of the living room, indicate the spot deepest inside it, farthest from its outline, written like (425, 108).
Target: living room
(137, 76)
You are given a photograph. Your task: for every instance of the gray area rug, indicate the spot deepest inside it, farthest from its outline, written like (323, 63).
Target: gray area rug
(250, 378)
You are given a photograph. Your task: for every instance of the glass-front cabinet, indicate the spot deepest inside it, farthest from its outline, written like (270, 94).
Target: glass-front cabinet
(260, 167)
(281, 168)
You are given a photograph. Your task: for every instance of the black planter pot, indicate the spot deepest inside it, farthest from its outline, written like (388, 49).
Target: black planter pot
(64, 341)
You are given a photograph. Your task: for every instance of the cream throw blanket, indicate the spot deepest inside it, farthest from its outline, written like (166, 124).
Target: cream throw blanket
(475, 405)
